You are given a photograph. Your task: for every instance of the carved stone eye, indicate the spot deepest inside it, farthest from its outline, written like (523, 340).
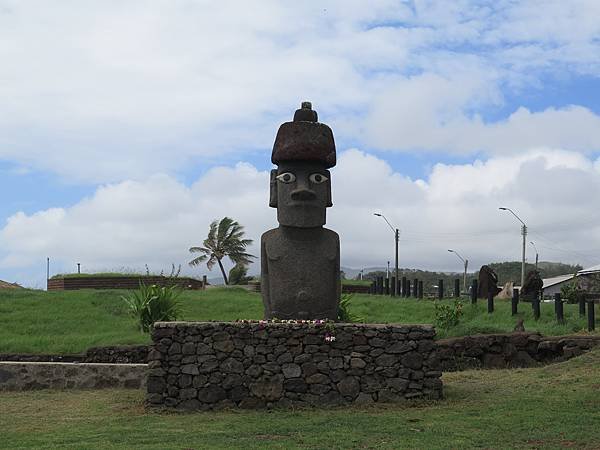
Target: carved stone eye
(286, 177)
(318, 178)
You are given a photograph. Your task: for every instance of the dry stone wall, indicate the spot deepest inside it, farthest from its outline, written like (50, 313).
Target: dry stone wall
(499, 351)
(202, 366)
(21, 376)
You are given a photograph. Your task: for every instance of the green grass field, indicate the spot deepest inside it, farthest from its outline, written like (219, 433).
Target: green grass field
(552, 407)
(72, 321)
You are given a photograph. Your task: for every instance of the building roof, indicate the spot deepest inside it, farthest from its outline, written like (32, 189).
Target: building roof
(557, 280)
(592, 269)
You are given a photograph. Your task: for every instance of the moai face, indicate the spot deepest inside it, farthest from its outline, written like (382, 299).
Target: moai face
(301, 191)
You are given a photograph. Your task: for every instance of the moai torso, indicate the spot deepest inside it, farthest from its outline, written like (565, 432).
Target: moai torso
(300, 272)
(300, 260)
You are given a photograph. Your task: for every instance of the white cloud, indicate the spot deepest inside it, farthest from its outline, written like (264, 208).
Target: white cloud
(155, 221)
(107, 91)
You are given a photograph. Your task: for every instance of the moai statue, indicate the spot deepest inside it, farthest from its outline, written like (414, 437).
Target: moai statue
(488, 282)
(300, 260)
(532, 286)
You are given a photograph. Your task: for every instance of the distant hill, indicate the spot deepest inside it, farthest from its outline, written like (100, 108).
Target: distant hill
(506, 271)
(6, 285)
(511, 271)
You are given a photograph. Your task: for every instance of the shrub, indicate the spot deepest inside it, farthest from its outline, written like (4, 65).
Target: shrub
(153, 303)
(238, 274)
(446, 315)
(571, 292)
(344, 314)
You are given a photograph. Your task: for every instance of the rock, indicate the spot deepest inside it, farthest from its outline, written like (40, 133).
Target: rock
(412, 360)
(364, 399)
(186, 394)
(225, 346)
(254, 371)
(386, 360)
(185, 380)
(309, 369)
(211, 394)
(291, 370)
(493, 361)
(156, 385)
(189, 405)
(336, 363)
(269, 389)
(357, 363)
(231, 365)
(401, 347)
(189, 348)
(523, 359)
(237, 393)
(349, 387)
(232, 380)
(317, 378)
(398, 384)
(295, 385)
(174, 349)
(190, 369)
(319, 389)
(388, 396)
(285, 358)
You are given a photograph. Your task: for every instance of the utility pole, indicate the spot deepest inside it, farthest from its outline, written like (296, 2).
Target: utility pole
(536, 255)
(396, 238)
(466, 265)
(524, 233)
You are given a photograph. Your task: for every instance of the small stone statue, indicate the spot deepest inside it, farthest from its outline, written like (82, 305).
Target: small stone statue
(488, 282)
(532, 286)
(519, 327)
(300, 260)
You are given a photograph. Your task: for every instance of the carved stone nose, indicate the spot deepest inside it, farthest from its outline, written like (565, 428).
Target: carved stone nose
(303, 194)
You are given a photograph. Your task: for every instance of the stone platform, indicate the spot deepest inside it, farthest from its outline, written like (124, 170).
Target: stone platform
(202, 366)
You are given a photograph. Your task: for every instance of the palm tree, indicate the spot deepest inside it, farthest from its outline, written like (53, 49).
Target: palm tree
(225, 238)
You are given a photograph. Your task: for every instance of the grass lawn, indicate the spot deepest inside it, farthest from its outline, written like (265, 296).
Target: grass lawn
(72, 321)
(557, 406)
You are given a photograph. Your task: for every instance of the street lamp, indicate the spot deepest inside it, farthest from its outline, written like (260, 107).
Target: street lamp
(536, 254)
(466, 263)
(397, 238)
(524, 233)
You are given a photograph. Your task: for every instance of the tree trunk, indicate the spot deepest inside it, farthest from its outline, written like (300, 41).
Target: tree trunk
(223, 272)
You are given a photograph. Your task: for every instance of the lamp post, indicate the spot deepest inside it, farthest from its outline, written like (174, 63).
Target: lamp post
(466, 263)
(524, 233)
(397, 238)
(536, 254)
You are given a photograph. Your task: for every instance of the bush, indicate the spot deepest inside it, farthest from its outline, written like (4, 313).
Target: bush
(153, 303)
(344, 314)
(448, 316)
(571, 292)
(238, 275)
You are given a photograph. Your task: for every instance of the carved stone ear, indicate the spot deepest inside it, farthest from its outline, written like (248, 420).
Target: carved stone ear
(329, 203)
(273, 189)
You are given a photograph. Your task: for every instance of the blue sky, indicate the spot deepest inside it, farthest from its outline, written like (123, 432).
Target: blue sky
(127, 127)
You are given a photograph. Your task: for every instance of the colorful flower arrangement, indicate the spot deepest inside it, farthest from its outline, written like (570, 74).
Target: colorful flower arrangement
(326, 323)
